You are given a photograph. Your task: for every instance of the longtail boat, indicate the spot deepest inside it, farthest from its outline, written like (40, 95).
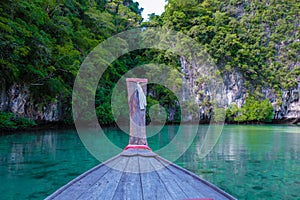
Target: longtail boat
(137, 172)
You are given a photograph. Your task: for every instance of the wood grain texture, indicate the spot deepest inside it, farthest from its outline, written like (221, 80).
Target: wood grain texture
(137, 116)
(82, 183)
(130, 185)
(139, 174)
(153, 186)
(106, 187)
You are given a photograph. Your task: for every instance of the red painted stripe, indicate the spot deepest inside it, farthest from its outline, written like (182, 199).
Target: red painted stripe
(139, 80)
(131, 146)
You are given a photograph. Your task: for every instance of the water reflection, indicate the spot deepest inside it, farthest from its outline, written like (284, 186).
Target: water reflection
(32, 165)
(250, 162)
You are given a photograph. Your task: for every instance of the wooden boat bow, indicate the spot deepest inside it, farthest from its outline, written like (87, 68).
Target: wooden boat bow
(137, 172)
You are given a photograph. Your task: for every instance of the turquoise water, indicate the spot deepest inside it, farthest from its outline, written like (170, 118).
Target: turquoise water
(249, 162)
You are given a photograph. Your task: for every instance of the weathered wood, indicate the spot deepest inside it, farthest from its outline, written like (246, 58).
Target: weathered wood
(130, 184)
(105, 188)
(153, 186)
(199, 184)
(78, 188)
(186, 184)
(139, 174)
(82, 183)
(137, 115)
(170, 183)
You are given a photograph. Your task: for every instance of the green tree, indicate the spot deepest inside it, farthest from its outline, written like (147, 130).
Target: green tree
(255, 110)
(231, 112)
(43, 43)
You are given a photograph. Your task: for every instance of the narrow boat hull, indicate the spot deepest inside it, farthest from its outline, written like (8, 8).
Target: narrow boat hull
(139, 174)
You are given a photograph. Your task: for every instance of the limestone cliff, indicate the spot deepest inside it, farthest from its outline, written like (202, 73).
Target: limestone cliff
(235, 91)
(17, 99)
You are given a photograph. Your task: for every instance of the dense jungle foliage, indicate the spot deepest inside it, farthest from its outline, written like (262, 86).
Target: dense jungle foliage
(43, 43)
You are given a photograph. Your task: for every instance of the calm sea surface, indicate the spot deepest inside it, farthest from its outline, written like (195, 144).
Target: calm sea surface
(249, 162)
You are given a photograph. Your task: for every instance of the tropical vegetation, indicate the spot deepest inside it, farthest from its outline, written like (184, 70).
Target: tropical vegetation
(43, 44)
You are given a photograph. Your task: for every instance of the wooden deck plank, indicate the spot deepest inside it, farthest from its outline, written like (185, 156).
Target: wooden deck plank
(139, 174)
(129, 186)
(186, 184)
(106, 186)
(202, 186)
(195, 188)
(80, 187)
(77, 186)
(153, 187)
(169, 181)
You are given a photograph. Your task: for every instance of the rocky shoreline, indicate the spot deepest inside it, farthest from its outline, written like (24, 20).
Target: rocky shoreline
(60, 125)
(17, 99)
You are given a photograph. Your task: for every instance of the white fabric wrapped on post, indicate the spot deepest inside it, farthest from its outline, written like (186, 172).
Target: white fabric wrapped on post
(142, 96)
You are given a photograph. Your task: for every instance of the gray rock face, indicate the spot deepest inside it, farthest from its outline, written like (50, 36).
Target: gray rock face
(17, 100)
(17, 97)
(234, 91)
(290, 107)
